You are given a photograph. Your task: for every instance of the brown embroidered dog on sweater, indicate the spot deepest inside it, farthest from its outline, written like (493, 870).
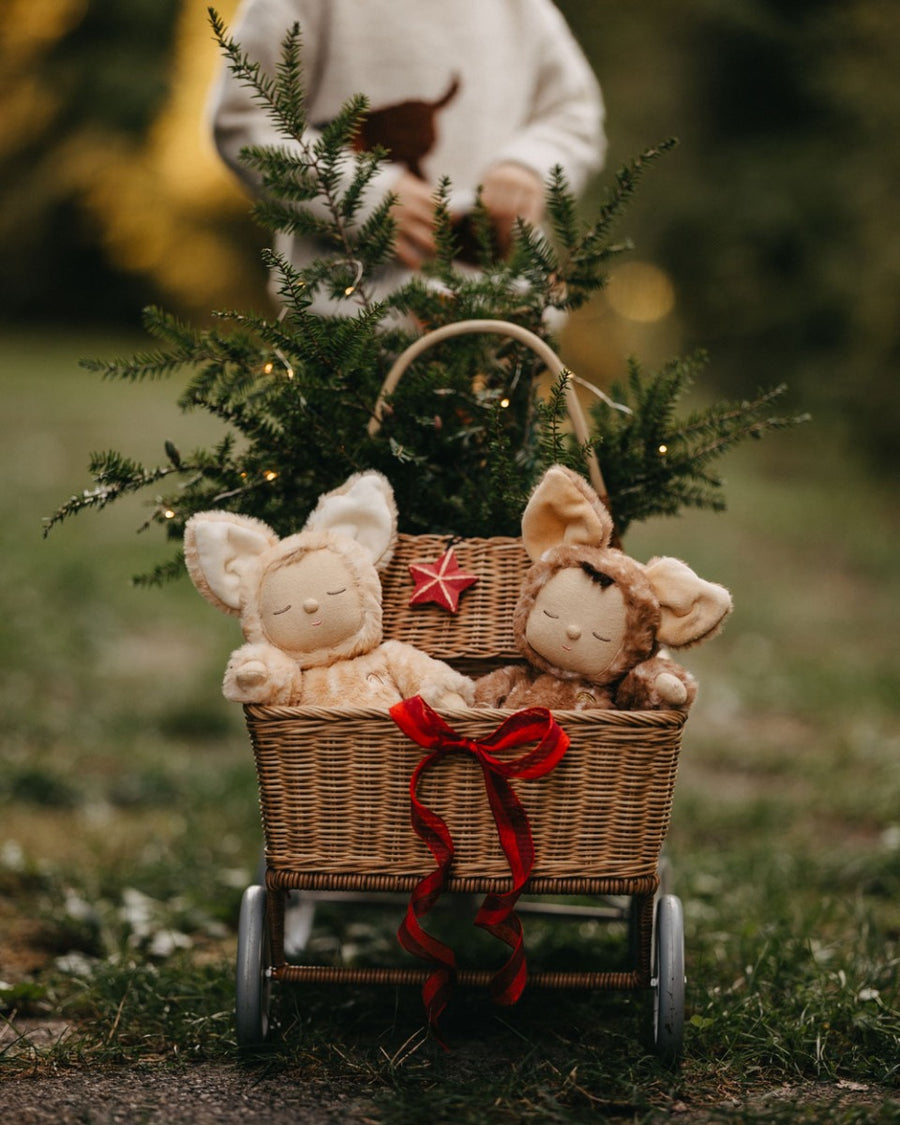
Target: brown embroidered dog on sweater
(408, 130)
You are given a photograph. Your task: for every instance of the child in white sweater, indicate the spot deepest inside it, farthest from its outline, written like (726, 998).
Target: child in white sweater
(490, 93)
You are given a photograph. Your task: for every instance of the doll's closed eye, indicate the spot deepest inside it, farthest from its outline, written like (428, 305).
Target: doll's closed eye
(334, 593)
(547, 613)
(605, 640)
(278, 612)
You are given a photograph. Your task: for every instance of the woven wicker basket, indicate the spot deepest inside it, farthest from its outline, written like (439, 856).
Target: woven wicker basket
(335, 797)
(334, 783)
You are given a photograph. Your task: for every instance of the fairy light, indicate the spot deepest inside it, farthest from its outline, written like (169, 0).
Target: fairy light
(358, 267)
(663, 450)
(169, 514)
(504, 402)
(288, 370)
(270, 475)
(269, 366)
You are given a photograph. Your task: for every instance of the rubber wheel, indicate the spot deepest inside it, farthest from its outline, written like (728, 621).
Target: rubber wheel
(668, 980)
(253, 985)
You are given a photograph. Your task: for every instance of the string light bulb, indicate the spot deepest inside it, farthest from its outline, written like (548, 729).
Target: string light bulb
(169, 514)
(663, 450)
(270, 475)
(288, 370)
(358, 269)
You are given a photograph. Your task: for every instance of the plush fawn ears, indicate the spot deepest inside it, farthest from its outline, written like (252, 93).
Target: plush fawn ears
(219, 549)
(363, 508)
(692, 608)
(564, 510)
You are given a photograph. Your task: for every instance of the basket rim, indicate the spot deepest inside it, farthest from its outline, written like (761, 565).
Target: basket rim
(641, 719)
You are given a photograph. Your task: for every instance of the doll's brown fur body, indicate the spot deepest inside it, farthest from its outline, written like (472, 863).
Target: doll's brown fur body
(590, 619)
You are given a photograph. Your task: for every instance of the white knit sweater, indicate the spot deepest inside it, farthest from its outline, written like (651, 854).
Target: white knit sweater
(518, 87)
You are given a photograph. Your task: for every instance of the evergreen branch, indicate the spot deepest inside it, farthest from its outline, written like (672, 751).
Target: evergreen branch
(140, 366)
(285, 173)
(554, 445)
(377, 235)
(447, 244)
(264, 89)
(114, 476)
(583, 255)
(288, 96)
(561, 210)
(655, 464)
(367, 165)
(617, 199)
(151, 364)
(247, 72)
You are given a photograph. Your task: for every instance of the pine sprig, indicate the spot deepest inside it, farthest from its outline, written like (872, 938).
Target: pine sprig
(114, 476)
(555, 445)
(656, 463)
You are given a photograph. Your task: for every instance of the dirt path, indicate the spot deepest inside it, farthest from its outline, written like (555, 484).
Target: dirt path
(232, 1094)
(229, 1095)
(198, 1095)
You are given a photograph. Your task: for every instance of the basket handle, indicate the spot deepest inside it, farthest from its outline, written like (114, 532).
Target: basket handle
(515, 332)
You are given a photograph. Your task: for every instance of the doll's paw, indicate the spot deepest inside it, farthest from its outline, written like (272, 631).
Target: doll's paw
(261, 674)
(656, 684)
(670, 689)
(251, 675)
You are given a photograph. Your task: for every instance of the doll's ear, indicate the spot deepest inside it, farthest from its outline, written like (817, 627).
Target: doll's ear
(564, 510)
(219, 549)
(364, 509)
(692, 608)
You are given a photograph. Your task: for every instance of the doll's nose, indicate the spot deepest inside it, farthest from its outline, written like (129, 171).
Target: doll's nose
(573, 632)
(310, 605)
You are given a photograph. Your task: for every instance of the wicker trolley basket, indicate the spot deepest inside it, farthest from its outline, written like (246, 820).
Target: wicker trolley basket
(334, 788)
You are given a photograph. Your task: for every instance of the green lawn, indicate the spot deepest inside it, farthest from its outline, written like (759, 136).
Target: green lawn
(128, 817)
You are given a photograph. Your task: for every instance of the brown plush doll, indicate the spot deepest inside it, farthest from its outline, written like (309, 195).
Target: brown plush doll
(590, 620)
(310, 605)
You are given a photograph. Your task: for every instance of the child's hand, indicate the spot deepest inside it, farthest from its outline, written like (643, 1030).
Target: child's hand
(413, 213)
(512, 191)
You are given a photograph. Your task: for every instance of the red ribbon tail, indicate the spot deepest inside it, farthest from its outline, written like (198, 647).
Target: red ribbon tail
(508, 983)
(497, 914)
(433, 831)
(439, 983)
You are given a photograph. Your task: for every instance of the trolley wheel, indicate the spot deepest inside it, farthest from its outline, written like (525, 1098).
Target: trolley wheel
(253, 984)
(668, 980)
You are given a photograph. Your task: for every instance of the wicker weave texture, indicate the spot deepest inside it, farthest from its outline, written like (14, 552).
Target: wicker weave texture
(481, 628)
(334, 793)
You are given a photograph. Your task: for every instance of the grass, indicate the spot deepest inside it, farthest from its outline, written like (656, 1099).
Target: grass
(128, 823)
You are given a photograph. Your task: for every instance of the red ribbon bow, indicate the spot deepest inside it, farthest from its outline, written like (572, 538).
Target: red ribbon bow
(497, 914)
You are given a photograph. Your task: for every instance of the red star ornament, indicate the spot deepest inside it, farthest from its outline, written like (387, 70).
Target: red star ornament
(441, 582)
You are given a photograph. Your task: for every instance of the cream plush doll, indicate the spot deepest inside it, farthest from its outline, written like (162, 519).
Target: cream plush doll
(310, 605)
(590, 620)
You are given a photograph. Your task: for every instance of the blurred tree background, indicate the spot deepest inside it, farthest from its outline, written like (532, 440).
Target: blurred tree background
(769, 237)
